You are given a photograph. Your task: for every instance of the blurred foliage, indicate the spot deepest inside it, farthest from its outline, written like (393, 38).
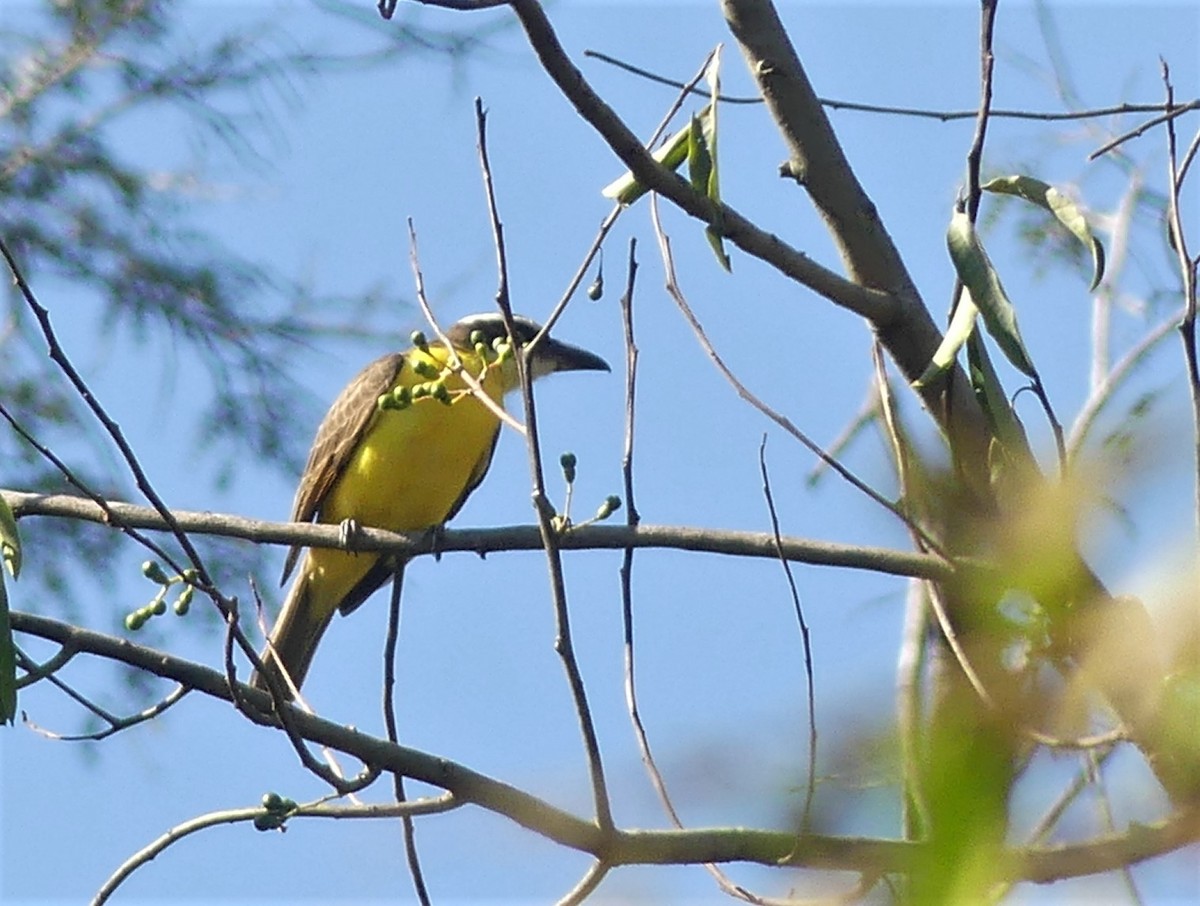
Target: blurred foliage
(86, 218)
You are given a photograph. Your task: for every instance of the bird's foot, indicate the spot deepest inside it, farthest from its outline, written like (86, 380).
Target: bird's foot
(348, 530)
(437, 534)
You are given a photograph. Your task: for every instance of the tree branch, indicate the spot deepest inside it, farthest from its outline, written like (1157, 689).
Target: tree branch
(622, 847)
(872, 259)
(871, 303)
(493, 540)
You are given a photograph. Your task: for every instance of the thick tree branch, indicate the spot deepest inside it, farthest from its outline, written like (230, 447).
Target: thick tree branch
(872, 259)
(622, 847)
(863, 300)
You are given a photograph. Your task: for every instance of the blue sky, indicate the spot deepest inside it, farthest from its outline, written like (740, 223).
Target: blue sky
(353, 156)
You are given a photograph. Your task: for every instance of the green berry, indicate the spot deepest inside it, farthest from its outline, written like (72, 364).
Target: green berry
(152, 571)
(611, 504)
(568, 461)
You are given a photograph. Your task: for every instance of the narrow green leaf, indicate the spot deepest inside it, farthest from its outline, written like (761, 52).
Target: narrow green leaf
(981, 280)
(626, 189)
(712, 187)
(10, 552)
(1063, 208)
(700, 162)
(10, 540)
(1004, 423)
(962, 325)
(8, 662)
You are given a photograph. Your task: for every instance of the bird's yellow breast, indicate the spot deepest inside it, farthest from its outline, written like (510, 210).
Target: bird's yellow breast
(409, 470)
(413, 464)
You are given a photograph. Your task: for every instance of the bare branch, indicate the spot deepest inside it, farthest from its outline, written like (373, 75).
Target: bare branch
(872, 259)
(944, 116)
(542, 507)
(616, 846)
(874, 304)
(493, 540)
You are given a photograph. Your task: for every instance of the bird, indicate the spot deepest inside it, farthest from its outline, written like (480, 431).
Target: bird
(401, 448)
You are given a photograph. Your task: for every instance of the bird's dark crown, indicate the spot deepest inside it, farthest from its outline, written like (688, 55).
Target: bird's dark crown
(491, 325)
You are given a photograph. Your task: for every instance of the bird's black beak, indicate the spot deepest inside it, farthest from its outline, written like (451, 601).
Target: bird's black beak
(553, 355)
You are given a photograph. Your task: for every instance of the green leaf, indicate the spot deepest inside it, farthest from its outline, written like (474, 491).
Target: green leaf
(700, 162)
(10, 552)
(10, 540)
(626, 189)
(8, 662)
(983, 283)
(1063, 208)
(962, 325)
(1006, 427)
(712, 189)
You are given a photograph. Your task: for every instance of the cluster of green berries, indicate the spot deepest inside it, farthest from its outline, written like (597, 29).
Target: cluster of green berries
(278, 810)
(158, 604)
(434, 385)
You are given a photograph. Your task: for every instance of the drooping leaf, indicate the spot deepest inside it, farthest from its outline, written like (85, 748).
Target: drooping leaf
(713, 182)
(1063, 208)
(962, 325)
(8, 662)
(699, 159)
(979, 276)
(1005, 425)
(626, 189)
(10, 552)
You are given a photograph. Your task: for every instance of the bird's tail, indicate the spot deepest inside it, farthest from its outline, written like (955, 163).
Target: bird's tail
(294, 639)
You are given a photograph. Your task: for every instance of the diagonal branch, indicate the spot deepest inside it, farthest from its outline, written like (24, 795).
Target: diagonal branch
(623, 847)
(874, 304)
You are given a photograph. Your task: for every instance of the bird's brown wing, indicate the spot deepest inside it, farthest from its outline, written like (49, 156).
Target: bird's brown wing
(340, 432)
(385, 567)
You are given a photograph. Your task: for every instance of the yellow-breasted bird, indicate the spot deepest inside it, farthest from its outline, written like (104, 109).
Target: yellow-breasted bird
(398, 453)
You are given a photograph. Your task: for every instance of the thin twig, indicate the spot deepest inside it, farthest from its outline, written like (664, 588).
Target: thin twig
(673, 289)
(1187, 275)
(389, 720)
(1170, 114)
(59, 357)
(1102, 394)
(541, 505)
(912, 658)
(615, 213)
(115, 724)
(917, 112)
(626, 576)
(805, 638)
(987, 62)
(236, 816)
(867, 413)
(456, 364)
(587, 885)
(76, 482)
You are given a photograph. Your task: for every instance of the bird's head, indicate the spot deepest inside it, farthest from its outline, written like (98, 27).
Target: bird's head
(550, 355)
